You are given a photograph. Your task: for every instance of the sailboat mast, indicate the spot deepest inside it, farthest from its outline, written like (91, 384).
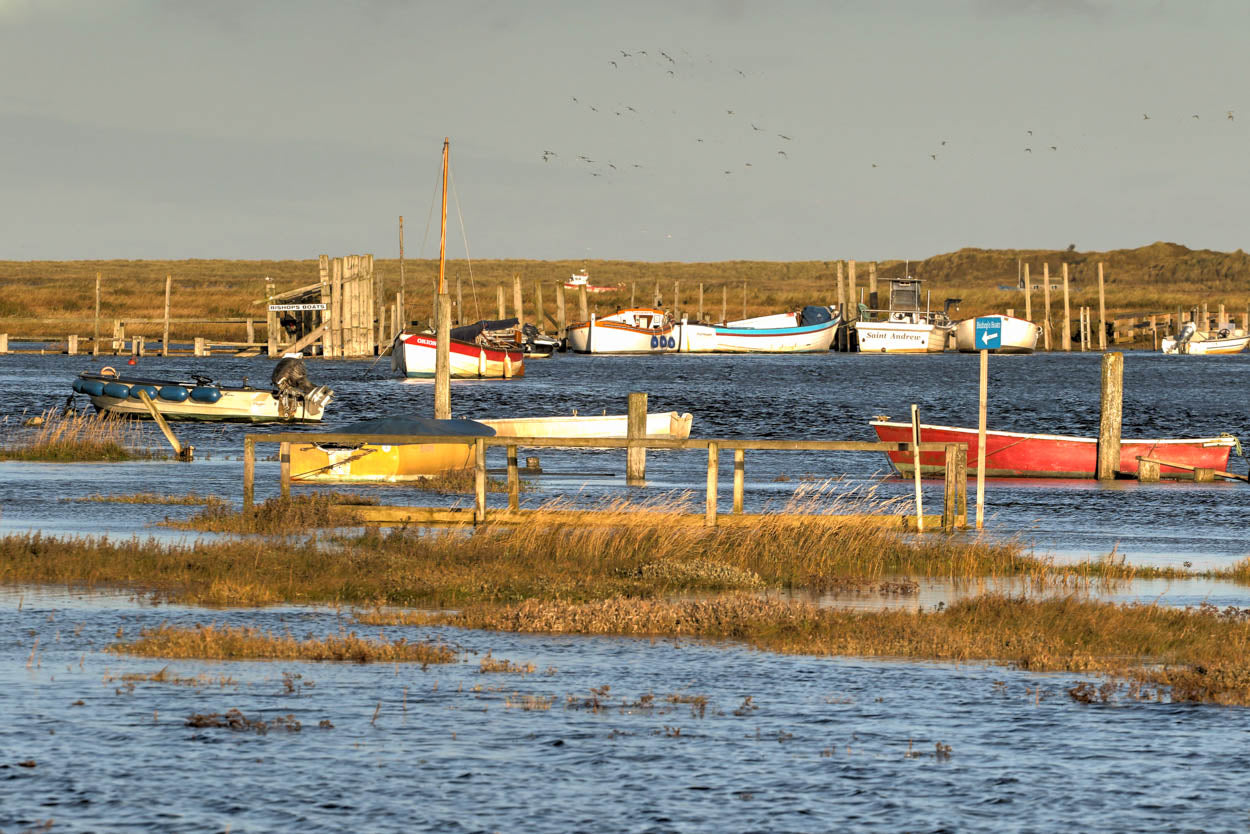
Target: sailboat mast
(442, 239)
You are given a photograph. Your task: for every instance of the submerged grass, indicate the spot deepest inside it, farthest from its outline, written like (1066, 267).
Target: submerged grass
(227, 643)
(58, 437)
(276, 516)
(190, 499)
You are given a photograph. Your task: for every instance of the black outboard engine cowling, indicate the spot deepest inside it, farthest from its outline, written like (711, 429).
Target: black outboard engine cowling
(292, 388)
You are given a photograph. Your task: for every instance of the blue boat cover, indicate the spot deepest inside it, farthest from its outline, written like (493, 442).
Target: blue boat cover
(417, 425)
(815, 315)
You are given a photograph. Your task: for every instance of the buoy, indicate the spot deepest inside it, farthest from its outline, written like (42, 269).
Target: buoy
(132, 361)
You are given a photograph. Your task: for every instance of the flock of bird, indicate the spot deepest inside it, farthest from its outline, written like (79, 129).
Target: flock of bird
(735, 128)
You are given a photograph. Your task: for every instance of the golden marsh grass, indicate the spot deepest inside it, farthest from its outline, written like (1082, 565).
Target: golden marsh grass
(60, 437)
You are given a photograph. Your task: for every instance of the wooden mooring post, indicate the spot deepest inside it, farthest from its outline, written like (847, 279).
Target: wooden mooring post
(1102, 312)
(1028, 295)
(713, 472)
(1046, 306)
(1067, 313)
(169, 280)
(635, 430)
(95, 337)
(518, 306)
(562, 322)
(503, 310)
(1111, 409)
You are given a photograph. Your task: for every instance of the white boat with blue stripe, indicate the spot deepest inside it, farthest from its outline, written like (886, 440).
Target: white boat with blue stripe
(810, 330)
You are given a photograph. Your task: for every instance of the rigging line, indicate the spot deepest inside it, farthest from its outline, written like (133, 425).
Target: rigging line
(451, 180)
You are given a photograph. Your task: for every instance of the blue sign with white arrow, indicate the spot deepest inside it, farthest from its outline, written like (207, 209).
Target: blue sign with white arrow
(989, 333)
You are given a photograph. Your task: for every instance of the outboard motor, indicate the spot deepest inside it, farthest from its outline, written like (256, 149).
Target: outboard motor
(291, 387)
(1187, 333)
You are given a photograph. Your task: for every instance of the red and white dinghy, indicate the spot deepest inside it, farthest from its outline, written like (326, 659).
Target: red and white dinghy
(413, 356)
(1012, 454)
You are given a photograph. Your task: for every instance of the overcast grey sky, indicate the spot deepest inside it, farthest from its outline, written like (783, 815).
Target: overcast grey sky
(711, 130)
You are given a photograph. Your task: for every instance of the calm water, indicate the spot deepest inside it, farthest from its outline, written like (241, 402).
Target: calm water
(452, 749)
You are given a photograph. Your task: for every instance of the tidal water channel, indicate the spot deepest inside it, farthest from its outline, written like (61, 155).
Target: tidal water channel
(781, 743)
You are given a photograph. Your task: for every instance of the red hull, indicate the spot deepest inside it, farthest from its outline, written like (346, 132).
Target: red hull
(1021, 455)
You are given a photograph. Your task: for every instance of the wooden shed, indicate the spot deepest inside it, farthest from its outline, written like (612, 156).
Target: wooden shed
(334, 317)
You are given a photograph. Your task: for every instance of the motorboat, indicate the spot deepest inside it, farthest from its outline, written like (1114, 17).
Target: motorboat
(370, 462)
(1216, 342)
(1034, 455)
(810, 330)
(580, 280)
(904, 327)
(1016, 335)
(638, 330)
(292, 398)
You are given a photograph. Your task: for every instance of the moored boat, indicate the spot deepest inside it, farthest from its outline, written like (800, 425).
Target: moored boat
(1033, 455)
(292, 397)
(667, 424)
(904, 327)
(1017, 335)
(413, 356)
(1213, 343)
(579, 280)
(638, 330)
(371, 462)
(808, 331)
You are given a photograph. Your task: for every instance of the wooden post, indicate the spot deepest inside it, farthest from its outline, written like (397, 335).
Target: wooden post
(1046, 304)
(1147, 470)
(514, 481)
(518, 306)
(1067, 313)
(284, 462)
(961, 480)
(636, 429)
(479, 480)
(201, 348)
(739, 478)
(251, 332)
(655, 299)
(724, 304)
(169, 280)
(442, 360)
(1028, 295)
(1110, 410)
(633, 292)
(915, 458)
(95, 339)
(1206, 319)
(561, 319)
(700, 301)
(503, 310)
(539, 310)
(249, 471)
(850, 287)
(137, 346)
(872, 285)
(1245, 323)
(676, 300)
(1081, 329)
(1203, 474)
(1102, 312)
(846, 315)
(335, 307)
(458, 316)
(981, 402)
(1220, 322)
(713, 470)
(744, 299)
(950, 491)
(71, 344)
(162, 425)
(583, 309)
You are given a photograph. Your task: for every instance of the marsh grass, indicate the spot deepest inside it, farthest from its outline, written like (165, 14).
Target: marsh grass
(277, 516)
(1197, 654)
(164, 675)
(190, 499)
(228, 643)
(60, 437)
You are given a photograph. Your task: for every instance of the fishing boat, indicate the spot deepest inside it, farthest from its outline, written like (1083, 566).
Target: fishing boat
(1018, 335)
(292, 398)
(810, 330)
(1217, 342)
(370, 462)
(578, 280)
(667, 424)
(413, 356)
(904, 327)
(1027, 455)
(641, 330)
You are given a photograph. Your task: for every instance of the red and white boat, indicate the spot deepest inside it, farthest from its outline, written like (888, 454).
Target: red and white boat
(413, 355)
(1011, 454)
(582, 279)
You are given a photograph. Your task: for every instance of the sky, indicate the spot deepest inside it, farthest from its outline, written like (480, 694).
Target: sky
(705, 130)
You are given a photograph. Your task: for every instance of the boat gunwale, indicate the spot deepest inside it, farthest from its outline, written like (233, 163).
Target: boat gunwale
(1188, 441)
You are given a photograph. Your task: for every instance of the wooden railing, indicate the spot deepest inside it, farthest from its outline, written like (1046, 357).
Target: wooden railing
(955, 462)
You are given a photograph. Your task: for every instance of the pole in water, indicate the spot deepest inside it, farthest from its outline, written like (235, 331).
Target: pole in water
(985, 373)
(915, 459)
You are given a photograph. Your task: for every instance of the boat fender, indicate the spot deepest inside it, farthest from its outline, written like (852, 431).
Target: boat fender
(205, 394)
(672, 343)
(174, 393)
(655, 342)
(116, 389)
(135, 389)
(77, 386)
(91, 387)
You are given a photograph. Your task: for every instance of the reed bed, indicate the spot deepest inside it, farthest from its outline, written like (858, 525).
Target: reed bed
(1198, 654)
(191, 499)
(60, 437)
(210, 642)
(278, 515)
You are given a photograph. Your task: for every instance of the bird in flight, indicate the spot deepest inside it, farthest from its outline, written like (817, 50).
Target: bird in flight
(670, 72)
(596, 109)
(1028, 150)
(933, 156)
(943, 141)
(783, 136)
(753, 127)
(1230, 115)
(1195, 116)
(874, 165)
(547, 155)
(740, 72)
(625, 54)
(784, 154)
(610, 165)
(613, 63)
(1054, 148)
(1145, 116)
(730, 112)
(669, 57)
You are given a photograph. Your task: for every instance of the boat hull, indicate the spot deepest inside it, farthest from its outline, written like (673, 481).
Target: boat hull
(377, 463)
(667, 425)
(628, 331)
(900, 337)
(1018, 335)
(1206, 347)
(413, 356)
(769, 334)
(1023, 455)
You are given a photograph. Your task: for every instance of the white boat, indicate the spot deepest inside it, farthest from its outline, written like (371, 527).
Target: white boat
(292, 398)
(582, 279)
(1189, 341)
(904, 328)
(668, 424)
(413, 355)
(1018, 335)
(640, 330)
(809, 331)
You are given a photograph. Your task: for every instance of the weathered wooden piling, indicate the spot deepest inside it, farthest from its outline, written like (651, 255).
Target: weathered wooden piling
(677, 299)
(169, 280)
(71, 344)
(842, 308)
(442, 359)
(700, 301)
(539, 309)
(872, 286)
(713, 472)
(1111, 408)
(1028, 295)
(850, 286)
(1067, 313)
(1046, 305)
(518, 306)
(561, 317)
(514, 480)
(95, 337)
(739, 478)
(1102, 312)
(502, 307)
(636, 429)
(724, 304)
(583, 308)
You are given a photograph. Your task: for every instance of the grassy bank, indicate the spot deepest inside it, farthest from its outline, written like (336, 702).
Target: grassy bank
(57, 437)
(48, 298)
